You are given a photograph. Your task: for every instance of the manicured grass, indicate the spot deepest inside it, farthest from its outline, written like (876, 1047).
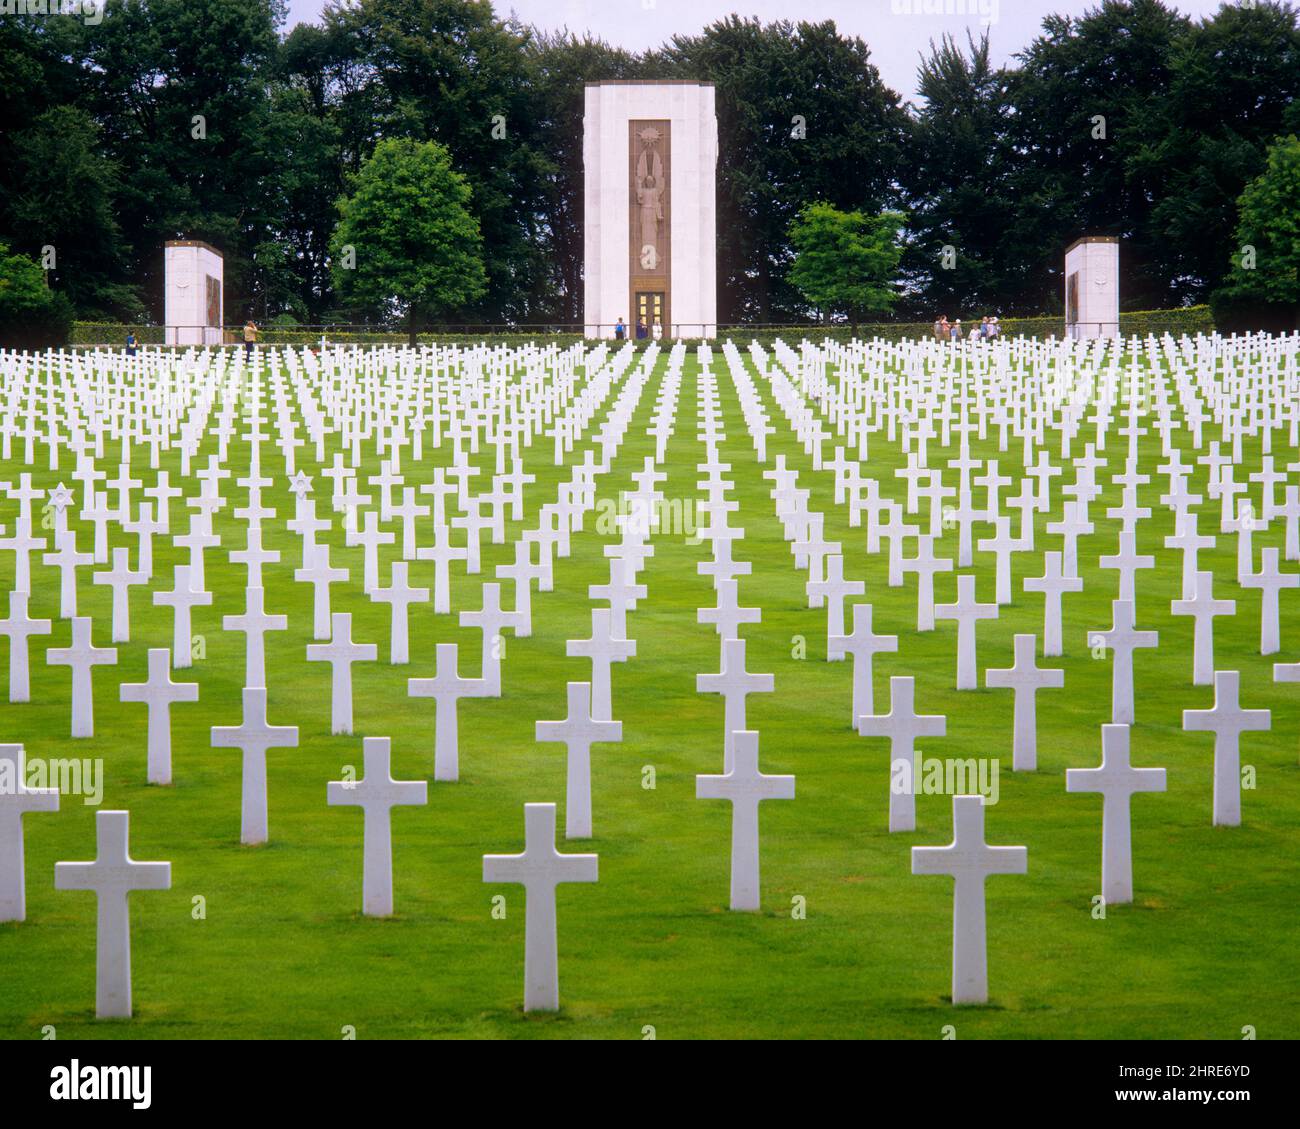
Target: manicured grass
(1206, 949)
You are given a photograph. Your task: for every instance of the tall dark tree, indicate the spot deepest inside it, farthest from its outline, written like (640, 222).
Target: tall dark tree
(802, 116)
(65, 202)
(562, 66)
(958, 179)
(181, 90)
(450, 71)
(1235, 88)
(1082, 100)
(306, 126)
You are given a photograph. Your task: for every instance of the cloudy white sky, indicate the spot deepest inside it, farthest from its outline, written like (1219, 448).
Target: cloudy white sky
(897, 31)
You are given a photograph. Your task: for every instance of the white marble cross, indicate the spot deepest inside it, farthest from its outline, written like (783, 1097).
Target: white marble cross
(253, 557)
(1001, 545)
(925, 564)
(1116, 780)
(19, 627)
(377, 793)
(604, 649)
(341, 652)
(442, 552)
(1052, 584)
(622, 592)
(82, 656)
(1074, 523)
(831, 591)
(320, 575)
(1026, 678)
(723, 567)
(734, 683)
(1227, 721)
(967, 612)
(158, 692)
(446, 687)
(1270, 580)
(255, 623)
(578, 732)
(745, 786)
(370, 538)
(522, 572)
(969, 860)
(68, 560)
(728, 616)
(1126, 561)
(491, 619)
(1122, 639)
(861, 645)
(120, 579)
(400, 596)
(1191, 543)
(16, 800)
(181, 599)
(254, 737)
(1203, 607)
(539, 869)
(902, 725)
(112, 877)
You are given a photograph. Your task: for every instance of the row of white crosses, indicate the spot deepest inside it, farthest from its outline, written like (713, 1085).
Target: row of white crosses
(1116, 779)
(968, 859)
(1061, 572)
(540, 867)
(376, 793)
(804, 528)
(741, 782)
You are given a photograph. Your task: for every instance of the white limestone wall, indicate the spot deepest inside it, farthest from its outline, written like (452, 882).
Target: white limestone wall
(1098, 267)
(186, 267)
(693, 302)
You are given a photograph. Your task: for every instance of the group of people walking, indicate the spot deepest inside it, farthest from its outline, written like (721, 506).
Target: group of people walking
(944, 330)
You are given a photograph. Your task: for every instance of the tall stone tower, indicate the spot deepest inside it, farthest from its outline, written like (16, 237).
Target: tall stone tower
(650, 155)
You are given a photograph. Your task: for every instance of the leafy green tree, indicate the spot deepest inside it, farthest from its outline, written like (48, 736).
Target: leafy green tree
(32, 316)
(1266, 263)
(845, 261)
(408, 224)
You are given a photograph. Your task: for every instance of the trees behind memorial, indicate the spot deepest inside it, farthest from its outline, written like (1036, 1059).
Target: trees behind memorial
(199, 120)
(802, 116)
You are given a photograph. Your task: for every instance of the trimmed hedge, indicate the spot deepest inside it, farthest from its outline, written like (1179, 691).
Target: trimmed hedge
(1189, 320)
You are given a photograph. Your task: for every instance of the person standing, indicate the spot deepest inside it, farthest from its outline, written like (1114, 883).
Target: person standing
(620, 330)
(250, 337)
(954, 331)
(131, 343)
(939, 324)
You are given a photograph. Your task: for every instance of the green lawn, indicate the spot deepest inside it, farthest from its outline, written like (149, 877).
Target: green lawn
(1207, 948)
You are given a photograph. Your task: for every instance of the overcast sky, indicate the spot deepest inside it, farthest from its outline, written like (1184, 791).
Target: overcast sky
(897, 31)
